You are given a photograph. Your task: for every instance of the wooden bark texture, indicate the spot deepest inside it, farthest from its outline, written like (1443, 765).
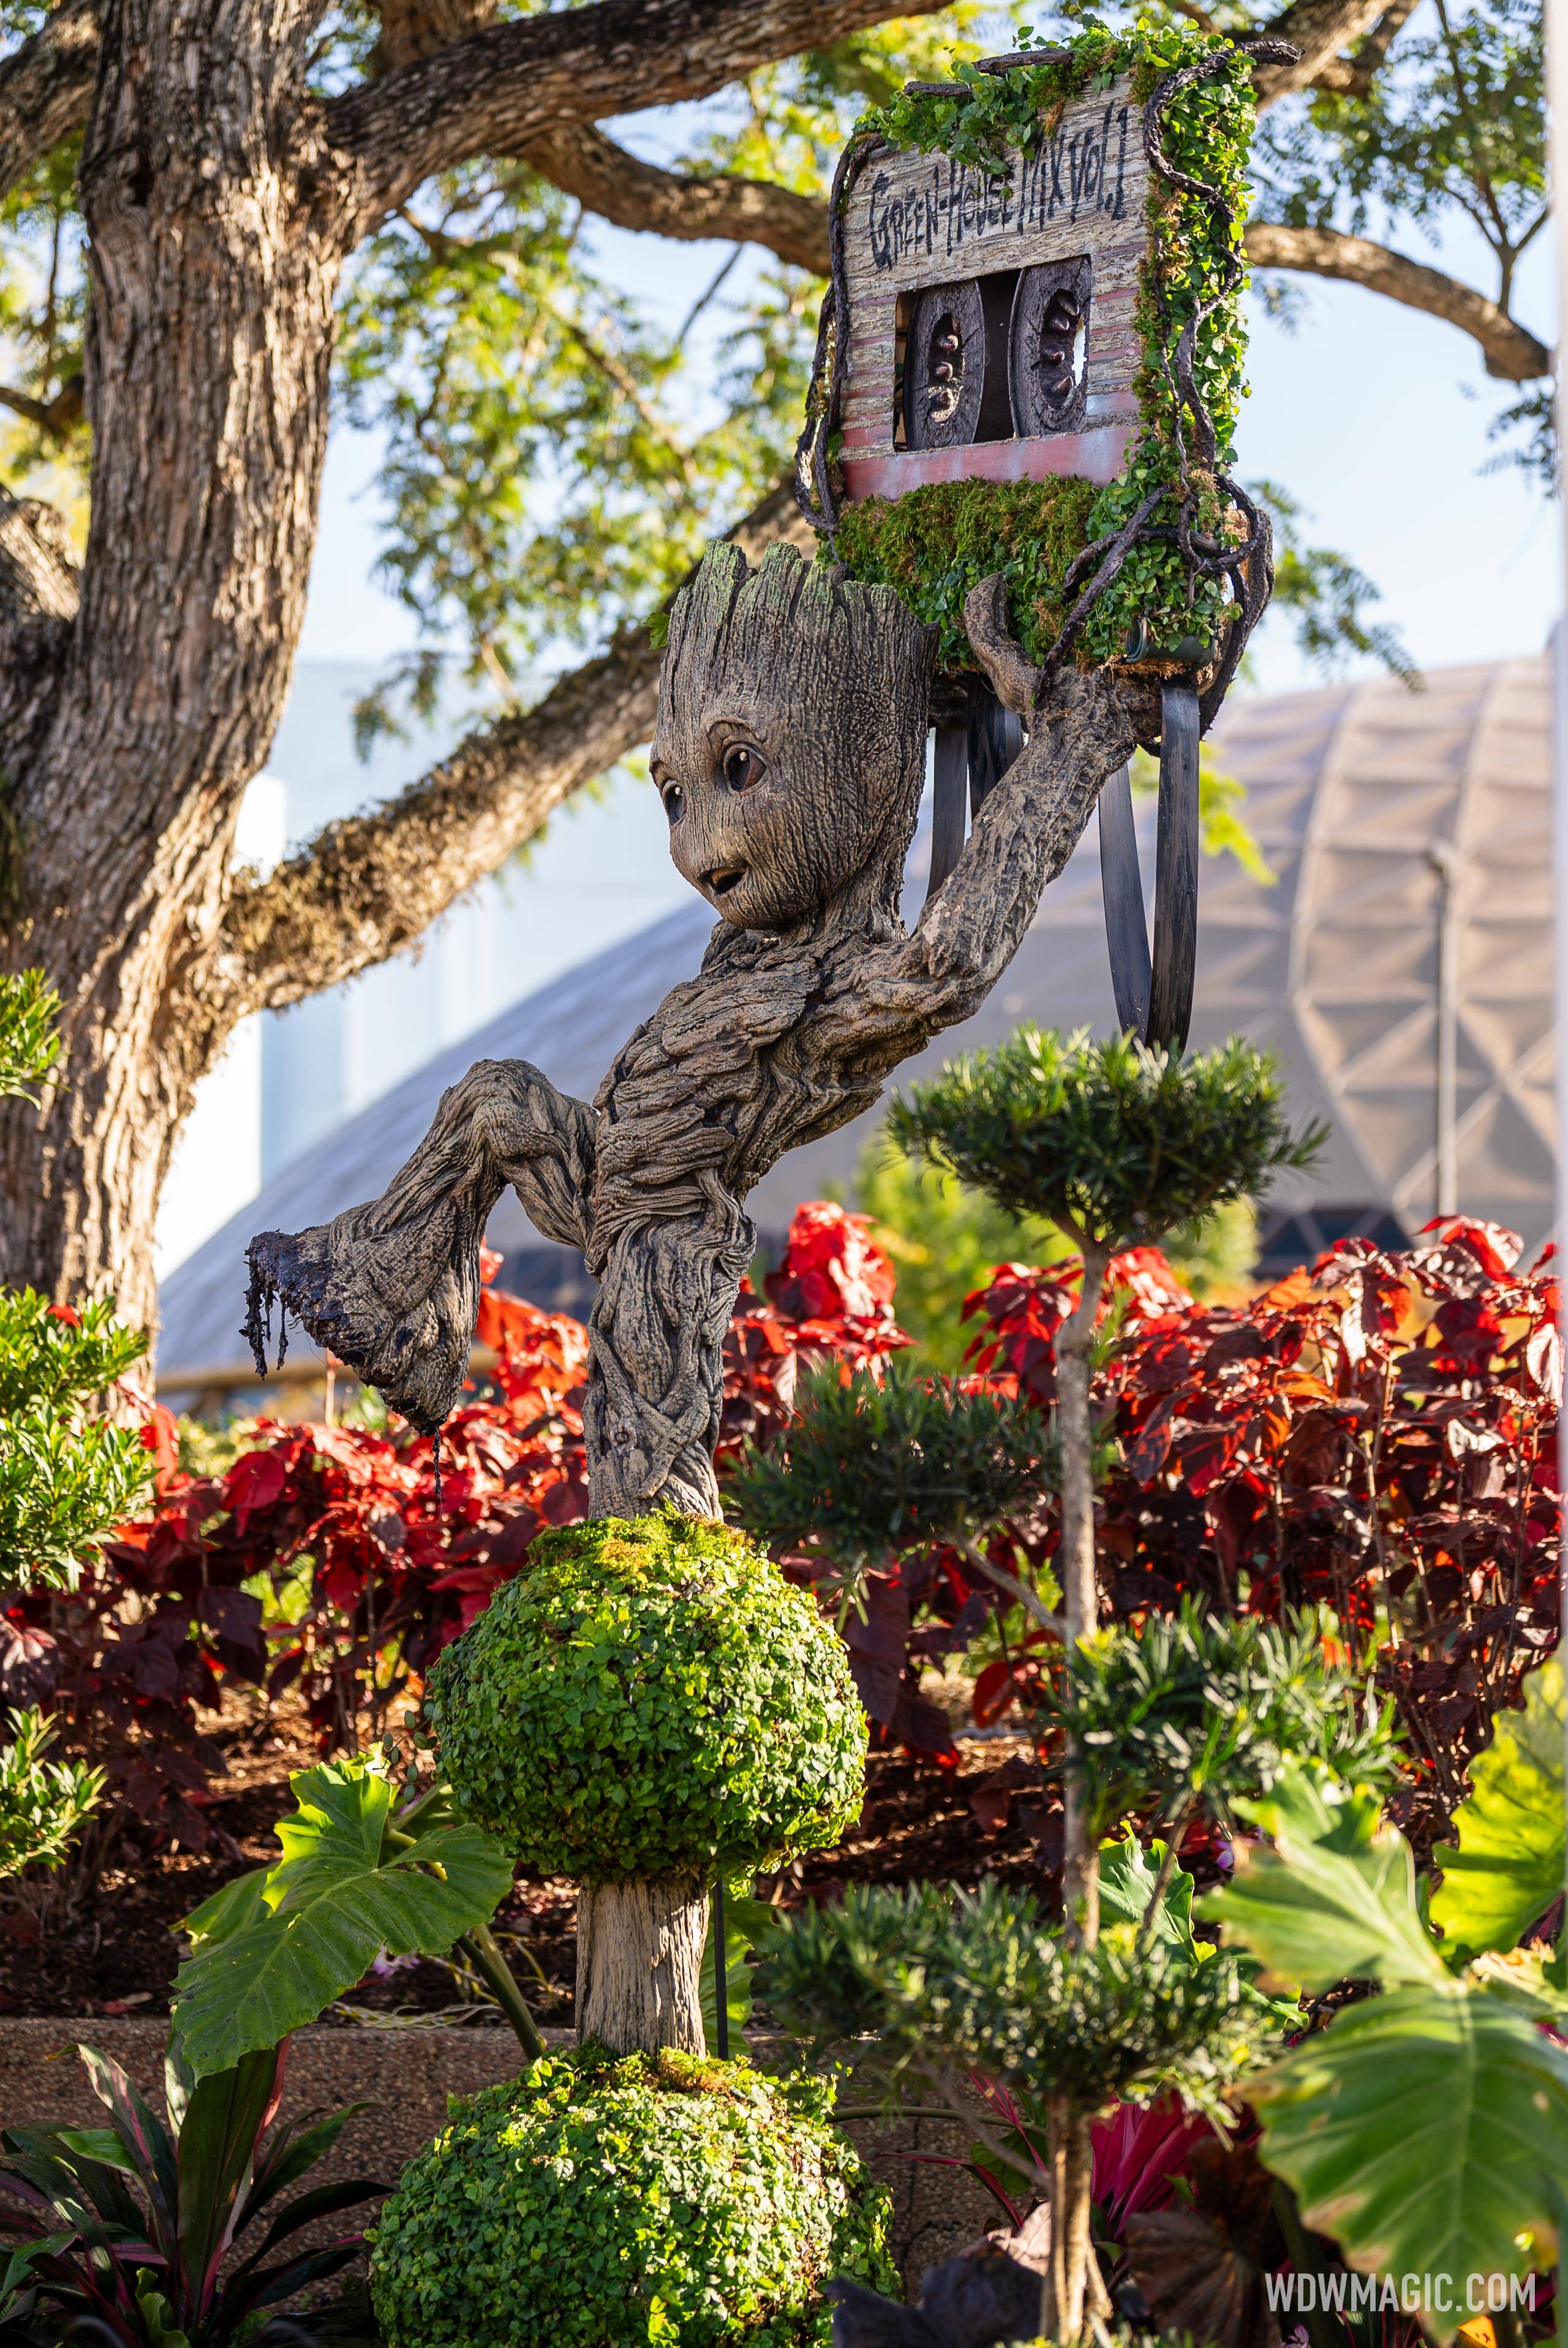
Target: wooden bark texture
(639, 1964)
(211, 294)
(790, 746)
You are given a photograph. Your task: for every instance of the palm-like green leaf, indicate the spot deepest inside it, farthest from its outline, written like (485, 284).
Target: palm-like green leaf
(1507, 1867)
(1427, 2132)
(345, 1888)
(1333, 1899)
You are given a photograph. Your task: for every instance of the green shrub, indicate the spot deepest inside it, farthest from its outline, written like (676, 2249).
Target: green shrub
(598, 2201)
(651, 1698)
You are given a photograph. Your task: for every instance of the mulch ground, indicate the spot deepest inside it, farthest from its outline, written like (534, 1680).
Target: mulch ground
(111, 1945)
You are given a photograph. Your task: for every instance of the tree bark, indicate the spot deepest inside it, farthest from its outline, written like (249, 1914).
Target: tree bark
(210, 289)
(639, 1964)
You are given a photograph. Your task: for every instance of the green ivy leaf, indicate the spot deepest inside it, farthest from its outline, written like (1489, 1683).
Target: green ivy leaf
(1507, 1867)
(1426, 2131)
(1333, 1899)
(342, 1890)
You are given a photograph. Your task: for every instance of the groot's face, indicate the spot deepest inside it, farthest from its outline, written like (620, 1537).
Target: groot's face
(765, 825)
(785, 771)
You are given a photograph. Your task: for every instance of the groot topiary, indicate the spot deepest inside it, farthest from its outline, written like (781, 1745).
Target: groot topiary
(649, 1703)
(722, 2200)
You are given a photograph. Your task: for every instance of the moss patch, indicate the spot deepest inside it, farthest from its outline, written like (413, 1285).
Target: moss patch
(934, 544)
(650, 1697)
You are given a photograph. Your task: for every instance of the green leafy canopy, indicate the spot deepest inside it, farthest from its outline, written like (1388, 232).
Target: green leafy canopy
(663, 2198)
(273, 1948)
(938, 1976)
(868, 1467)
(1115, 1143)
(650, 1696)
(1198, 1709)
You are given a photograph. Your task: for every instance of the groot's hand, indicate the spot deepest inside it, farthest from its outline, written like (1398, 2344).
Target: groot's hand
(1015, 680)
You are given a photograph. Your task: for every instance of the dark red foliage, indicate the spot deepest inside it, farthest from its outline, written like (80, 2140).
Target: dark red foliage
(368, 1577)
(1379, 1433)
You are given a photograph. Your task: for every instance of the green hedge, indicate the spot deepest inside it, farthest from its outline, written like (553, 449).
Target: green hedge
(603, 2203)
(651, 1698)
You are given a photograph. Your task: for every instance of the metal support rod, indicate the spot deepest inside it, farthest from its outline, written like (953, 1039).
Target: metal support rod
(1445, 861)
(995, 738)
(1122, 886)
(950, 770)
(1175, 956)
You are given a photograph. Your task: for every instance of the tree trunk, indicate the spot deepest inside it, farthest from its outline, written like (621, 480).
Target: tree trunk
(639, 1963)
(211, 286)
(1075, 1344)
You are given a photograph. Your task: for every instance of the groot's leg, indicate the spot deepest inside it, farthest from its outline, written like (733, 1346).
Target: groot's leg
(392, 1287)
(651, 1418)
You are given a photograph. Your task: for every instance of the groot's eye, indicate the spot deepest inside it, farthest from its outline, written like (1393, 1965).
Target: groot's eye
(741, 767)
(673, 799)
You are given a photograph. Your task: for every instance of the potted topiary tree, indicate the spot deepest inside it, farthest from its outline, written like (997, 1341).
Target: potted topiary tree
(648, 1707)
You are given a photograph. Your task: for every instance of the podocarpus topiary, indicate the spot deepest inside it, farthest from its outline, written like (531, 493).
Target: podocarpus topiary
(649, 1703)
(608, 2202)
(1117, 1145)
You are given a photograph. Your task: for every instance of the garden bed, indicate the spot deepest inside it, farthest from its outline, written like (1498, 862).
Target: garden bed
(117, 1954)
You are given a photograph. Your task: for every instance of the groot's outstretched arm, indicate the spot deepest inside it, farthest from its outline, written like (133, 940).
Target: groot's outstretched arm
(392, 1287)
(904, 992)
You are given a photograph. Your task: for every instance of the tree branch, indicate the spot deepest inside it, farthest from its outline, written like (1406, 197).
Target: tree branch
(1509, 350)
(372, 883)
(500, 88)
(1353, 77)
(47, 87)
(633, 194)
(1319, 29)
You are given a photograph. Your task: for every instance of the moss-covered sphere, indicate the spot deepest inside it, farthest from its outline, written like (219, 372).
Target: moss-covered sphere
(598, 2202)
(651, 1698)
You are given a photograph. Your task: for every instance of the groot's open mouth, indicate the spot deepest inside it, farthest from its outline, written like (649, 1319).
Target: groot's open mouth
(723, 877)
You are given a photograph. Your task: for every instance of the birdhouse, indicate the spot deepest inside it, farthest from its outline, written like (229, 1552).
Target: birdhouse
(990, 332)
(1029, 363)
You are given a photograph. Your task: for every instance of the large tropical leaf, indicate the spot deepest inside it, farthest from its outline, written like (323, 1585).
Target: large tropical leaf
(1508, 1868)
(1427, 2132)
(345, 1888)
(1334, 1898)
(1126, 1885)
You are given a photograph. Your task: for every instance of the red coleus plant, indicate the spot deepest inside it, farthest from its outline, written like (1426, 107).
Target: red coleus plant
(1378, 1432)
(325, 1561)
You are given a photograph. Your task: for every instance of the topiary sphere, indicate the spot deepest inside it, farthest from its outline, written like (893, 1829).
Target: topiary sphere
(606, 2202)
(651, 1698)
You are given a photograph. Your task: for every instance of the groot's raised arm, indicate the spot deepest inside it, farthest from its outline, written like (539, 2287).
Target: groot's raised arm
(790, 753)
